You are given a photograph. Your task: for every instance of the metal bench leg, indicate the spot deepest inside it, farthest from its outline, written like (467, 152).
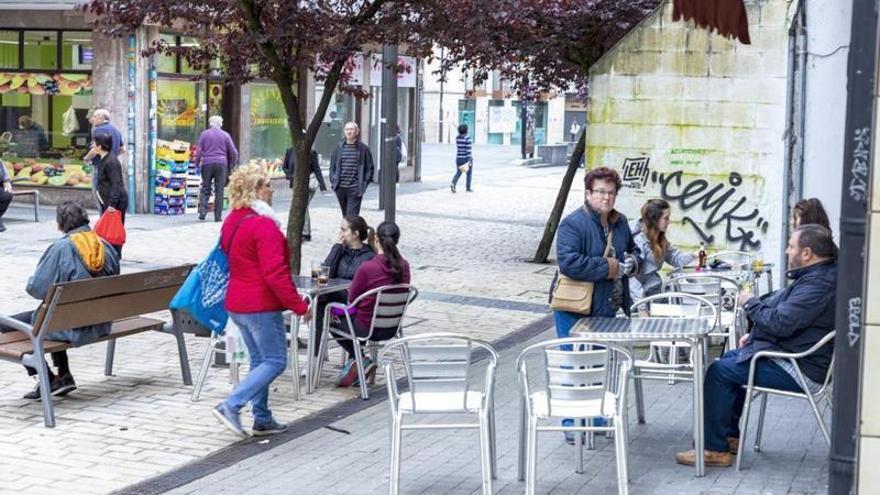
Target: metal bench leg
(184, 358)
(39, 363)
(108, 361)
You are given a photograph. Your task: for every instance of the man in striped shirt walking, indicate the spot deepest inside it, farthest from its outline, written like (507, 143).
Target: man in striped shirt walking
(464, 161)
(351, 171)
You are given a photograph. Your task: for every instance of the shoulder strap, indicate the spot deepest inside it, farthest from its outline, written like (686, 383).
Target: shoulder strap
(608, 242)
(235, 231)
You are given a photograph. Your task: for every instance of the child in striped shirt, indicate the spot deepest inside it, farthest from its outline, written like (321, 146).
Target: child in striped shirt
(463, 158)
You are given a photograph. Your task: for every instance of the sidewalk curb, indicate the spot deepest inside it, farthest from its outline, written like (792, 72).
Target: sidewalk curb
(239, 451)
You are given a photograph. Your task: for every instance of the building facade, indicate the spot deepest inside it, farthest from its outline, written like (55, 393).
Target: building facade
(491, 110)
(54, 70)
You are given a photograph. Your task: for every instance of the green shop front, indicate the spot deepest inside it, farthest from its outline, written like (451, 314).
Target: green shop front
(45, 104)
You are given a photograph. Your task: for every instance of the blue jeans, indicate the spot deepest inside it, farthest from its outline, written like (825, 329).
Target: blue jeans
(470, 172)
(724, 395)
(263, 333)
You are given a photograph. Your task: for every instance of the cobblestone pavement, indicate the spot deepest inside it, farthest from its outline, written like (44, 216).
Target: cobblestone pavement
(467, 253)
(352, 454)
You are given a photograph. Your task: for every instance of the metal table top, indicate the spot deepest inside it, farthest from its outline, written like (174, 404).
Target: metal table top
(309, 286)
(629, 329)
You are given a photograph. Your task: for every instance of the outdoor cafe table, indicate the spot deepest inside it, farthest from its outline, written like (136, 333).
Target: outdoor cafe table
(311, 291)
(631, 330)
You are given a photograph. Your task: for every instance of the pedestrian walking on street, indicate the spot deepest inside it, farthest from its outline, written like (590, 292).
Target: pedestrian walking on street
(350, 252)
(5, 194)
(387, 267)
(79, 254)
(110, 188)
(593, 245)
(316, 180)
(100, 121)
(216, 156)
(351, 171)
(464, 160)
(260, 289)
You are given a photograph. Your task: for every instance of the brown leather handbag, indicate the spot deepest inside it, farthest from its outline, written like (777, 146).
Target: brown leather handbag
(575, 296)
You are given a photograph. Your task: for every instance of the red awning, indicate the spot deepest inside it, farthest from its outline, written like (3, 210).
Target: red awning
(727, 17)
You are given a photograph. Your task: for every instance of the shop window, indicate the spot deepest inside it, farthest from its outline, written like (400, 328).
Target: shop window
(167, 63)
(270, 136)
(76, 50)
(180, 114)
(9, 50)
(188, 42)
(40, 50)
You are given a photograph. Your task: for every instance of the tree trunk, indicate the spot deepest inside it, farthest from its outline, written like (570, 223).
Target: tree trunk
(298, 205)
(556, 214)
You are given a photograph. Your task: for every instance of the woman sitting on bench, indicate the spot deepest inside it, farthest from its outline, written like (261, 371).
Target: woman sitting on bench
(77, 255)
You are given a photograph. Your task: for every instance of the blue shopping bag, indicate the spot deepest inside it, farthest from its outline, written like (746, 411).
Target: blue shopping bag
(203, 293)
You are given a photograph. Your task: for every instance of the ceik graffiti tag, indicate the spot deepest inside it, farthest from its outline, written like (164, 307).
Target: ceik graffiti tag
(721, 201)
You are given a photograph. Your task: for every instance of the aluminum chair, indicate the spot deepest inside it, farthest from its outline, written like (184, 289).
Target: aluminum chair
(678, 305)
(437, 367)
(582, 379)
(722, 292)
(389, 309)
(815, 399)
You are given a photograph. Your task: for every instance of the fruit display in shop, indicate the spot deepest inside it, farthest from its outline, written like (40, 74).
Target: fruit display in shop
(31, 172)
(45, 84)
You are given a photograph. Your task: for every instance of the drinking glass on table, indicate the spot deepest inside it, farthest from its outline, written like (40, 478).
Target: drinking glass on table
(316, 269)
(324, 275)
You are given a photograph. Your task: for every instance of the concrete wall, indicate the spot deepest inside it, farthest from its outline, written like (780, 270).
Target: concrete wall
(698, 119)
(828, 32)
(868, 453)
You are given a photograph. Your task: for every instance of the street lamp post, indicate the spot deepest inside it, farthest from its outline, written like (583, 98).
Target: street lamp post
(388, 141)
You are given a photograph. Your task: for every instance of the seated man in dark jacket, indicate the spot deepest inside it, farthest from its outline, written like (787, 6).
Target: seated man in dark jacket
(792, 319)
(78, 254)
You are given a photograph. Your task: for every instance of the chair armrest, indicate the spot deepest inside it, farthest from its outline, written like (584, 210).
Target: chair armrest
(18, 325)
(796, 355)
(391, 384)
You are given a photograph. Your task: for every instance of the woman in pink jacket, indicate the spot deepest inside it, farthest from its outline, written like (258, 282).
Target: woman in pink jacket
(260, 289)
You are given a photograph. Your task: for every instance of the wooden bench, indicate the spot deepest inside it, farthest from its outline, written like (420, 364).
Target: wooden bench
(35, 194)
(122, 299)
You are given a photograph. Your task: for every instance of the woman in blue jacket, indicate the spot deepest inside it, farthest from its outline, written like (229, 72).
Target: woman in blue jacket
(580, 249)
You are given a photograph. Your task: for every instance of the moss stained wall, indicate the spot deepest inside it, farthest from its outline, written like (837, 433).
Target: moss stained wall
(699, 120)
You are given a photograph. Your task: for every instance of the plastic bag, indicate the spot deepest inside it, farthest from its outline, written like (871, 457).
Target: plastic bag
(203, 294)
(69, 122)
(109, 227)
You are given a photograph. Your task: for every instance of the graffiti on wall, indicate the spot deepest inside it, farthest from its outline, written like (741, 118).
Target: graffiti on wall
(858, 184)
(723, 202)
(706, 206)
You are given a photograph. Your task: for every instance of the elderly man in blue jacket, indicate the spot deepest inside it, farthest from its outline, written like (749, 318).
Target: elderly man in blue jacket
(792, 319)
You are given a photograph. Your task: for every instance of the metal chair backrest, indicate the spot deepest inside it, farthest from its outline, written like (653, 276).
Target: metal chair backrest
(436, 363)
(389, 306)
(578, 370)
(719, 290)
(679, 305)
(736, 259)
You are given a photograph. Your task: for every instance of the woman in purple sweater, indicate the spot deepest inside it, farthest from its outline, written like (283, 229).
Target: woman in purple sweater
(386, 268)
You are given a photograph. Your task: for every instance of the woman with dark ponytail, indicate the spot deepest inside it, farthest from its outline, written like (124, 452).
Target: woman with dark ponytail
(388, 267)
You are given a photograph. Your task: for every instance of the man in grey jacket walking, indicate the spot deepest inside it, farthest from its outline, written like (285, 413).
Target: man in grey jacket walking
(351, 171)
